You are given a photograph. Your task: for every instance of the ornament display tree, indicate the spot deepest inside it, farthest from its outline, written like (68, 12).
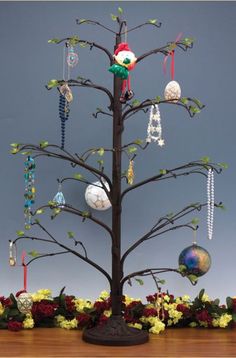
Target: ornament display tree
(120, 109)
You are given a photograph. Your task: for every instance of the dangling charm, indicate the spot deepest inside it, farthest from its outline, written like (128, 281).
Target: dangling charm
(12, 253)
(29, 190)
(154, 130)
(130, 173)
(59, 198)
(210, 203)
(66, 92)
(72, 57)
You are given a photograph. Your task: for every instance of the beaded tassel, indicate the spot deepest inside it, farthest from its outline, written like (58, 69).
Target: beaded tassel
(210, 203)
(29, 175)
(154, 130)
(130, 174)
(64, 116)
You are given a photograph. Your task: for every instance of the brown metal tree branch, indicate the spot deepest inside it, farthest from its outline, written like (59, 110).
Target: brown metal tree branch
(92, 22)
(157, 25)
(149, 272)
(47, 255)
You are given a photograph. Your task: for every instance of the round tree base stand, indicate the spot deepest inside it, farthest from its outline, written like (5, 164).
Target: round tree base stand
(115, 332)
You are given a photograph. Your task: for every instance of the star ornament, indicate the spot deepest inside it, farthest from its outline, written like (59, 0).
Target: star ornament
(161, 142)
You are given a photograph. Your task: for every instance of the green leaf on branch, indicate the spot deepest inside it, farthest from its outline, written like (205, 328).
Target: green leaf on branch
(114, 17)
(188, 41)
(54, 41)
(100, 162)
(15, 150)
(132, 150)
(152, 21)
(140, 282)
(20, 233)
(120, 10)
(198, 103)
(73, 41)
(43, 144)
(37, 221)
(223, 165)
(157, 99)
(85, 214)
(70, 234)
(194, 109)
(138, 141)
(221, 206)
(33, 253)
(195, 221)
(15, 145)
(27, 227)
(56, 211)
(101, 152)
(162, 171)
(182, 268)
(78, 176)
(161, 282)
(205, 159)
(40, 211)
(83, 44)
(26, 153)
(193, 278)
(82, 21)
(135, 103)
(52, 203)
(184, 100)
(52, 83)
(170, 215)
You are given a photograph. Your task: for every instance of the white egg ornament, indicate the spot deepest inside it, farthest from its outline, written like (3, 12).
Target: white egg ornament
(24, 302)
(96, 196)
(172, 91)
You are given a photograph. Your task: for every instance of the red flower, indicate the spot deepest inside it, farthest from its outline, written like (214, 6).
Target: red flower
(6, 302)
(102, 306)
(43, 309)
(83, 320)
(205, 317)
(185, 310)
(234, 304)
(14, 326)
(149, 312)
(69, 303)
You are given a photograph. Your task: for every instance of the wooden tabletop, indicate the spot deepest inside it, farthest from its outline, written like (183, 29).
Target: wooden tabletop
(56, 342)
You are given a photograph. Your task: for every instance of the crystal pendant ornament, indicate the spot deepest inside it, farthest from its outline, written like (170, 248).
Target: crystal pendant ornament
(66, 92)
(196, 259)
(12, 253)
(172, 92)
(130, 173)
(154, 129)
(59, 198)
(25, 302)
(72, 57)
(96, 197)
(210, 203)
(29, 175)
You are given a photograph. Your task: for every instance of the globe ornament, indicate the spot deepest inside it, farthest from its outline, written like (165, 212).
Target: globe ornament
(24, 302)
(196, 259)
(96, 196)
(172, 91)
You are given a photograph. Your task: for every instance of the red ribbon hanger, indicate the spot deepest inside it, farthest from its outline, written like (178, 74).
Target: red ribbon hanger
(172, 54)
(25, 267)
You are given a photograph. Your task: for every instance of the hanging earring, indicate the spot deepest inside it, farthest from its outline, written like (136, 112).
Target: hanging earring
(210, 203)
(12, 253)
(154, 129)
(172, 91)
(72, 58)
(130, 173)
(29, 175)
(59, 198)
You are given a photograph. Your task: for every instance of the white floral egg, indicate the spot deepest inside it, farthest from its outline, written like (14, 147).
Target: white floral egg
(96, 196)
(172, 91)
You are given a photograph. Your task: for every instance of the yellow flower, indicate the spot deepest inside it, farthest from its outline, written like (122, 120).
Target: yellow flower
(128, 300)
(1, 309)
(157, 328)
(186, 298)
(80, 304)
(59, 318)
(166, 298)
(43, 294)
(104, 295)
(135, 325)
(222, 321)
(69, 324)
(203, 324)
(107, 313)
(205, 298)
(28, 322)
(193, 324)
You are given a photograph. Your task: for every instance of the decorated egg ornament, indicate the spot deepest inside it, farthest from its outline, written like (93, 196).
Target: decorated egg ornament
(96, 196)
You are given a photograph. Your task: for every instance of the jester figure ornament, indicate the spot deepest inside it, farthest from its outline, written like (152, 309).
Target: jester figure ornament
(125, 62)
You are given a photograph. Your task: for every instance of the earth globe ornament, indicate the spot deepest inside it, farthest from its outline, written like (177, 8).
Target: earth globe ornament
(196, 259)
(24, 302)
(96, 196)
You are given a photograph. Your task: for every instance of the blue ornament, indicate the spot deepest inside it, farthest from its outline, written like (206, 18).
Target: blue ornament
(196, 259)
(59, 198)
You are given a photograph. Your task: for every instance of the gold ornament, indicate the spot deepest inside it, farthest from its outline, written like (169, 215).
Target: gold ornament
(66, 92)
(24, 302)
(130, 174)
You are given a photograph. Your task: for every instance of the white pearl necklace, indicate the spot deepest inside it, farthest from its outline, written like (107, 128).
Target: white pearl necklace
(154, 129)
(210, 203)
